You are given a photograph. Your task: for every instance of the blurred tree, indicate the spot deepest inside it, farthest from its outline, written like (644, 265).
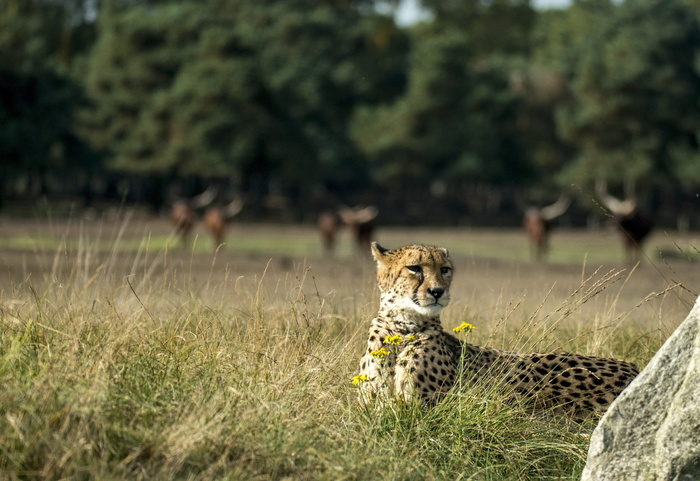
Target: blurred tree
(37, 95)
(132, 76)
(497, 119)
(494, 26)
(540, 92)
(542, 82)
(317, 62)
(240, 89)
(560, 35)
(635, 114)
(694, 5)
(454, 124)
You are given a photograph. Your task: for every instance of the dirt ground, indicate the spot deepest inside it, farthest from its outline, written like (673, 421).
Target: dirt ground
(488, 286)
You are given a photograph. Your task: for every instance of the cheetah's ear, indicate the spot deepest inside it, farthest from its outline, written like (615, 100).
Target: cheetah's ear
(379, 253)
(444, 251)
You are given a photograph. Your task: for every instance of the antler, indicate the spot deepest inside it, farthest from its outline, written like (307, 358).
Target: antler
(358, 214)
(233, 208)
(557, 209)
(366, 214)
(204, 199)
(616, 206)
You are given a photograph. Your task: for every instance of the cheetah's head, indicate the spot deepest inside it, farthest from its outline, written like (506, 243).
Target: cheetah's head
(415, 277)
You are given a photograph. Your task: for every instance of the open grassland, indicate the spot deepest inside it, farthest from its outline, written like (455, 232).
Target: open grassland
(124, 356)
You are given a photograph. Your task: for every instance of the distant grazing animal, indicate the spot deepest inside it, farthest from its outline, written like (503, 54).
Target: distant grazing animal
(538, 222)
(216, 218)
(409, 354)
(182, 217)
(183, 212)
(360, 220)
(328, 225)
(633, 224)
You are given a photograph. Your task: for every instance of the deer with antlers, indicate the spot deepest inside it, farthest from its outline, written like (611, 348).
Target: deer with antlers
(216, 218)
(183, 212)
(633, 224)
(360, 220)
(538, 221)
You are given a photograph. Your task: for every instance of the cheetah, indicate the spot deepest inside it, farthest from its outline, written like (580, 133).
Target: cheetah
(409, 354)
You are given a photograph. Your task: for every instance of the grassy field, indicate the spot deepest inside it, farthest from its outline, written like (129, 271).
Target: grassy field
(125, 356)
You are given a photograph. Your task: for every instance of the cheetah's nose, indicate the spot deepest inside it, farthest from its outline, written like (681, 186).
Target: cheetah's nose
(436, 292)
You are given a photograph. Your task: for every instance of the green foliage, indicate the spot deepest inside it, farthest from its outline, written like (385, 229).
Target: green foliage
(131, 74)
(36, 109)
(561, 35)
(38, 97)
(452, 124)
(317, 63)
(494, 26)
(238, 88)
(323, 102)
(634, 90)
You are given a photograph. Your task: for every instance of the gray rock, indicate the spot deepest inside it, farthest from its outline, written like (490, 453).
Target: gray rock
(651, 432)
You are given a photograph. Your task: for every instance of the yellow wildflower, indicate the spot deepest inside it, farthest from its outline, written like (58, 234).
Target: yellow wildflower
(379, 353)
(358, 379)
(410, 337)
(463, 326)
(395, 339)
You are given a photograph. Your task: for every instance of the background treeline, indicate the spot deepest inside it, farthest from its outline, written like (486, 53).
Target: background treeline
(301, 105)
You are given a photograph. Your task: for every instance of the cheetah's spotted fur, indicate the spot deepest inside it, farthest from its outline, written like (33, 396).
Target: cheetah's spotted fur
(419, 358)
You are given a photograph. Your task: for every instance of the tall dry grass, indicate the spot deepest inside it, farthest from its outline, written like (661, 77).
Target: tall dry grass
(143, 366)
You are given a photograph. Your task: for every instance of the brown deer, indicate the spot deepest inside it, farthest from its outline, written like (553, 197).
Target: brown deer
(328, 225)
(216, 218)
(183, 212)
(360, 220)
(538, 221)
(633, 224)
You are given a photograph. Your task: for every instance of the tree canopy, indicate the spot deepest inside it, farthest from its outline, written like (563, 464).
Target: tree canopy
(635, 112)
(332, 102)
(239, 90)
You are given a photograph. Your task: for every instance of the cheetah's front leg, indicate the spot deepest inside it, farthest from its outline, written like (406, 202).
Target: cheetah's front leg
(377, 373)
(425, 371)
(404, 380)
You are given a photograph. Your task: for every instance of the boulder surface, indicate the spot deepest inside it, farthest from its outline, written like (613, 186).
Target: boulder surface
(651, 432)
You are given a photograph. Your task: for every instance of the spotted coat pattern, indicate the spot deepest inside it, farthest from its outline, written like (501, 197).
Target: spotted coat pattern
(410, 354)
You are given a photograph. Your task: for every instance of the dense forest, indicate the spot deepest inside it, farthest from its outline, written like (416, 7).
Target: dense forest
(298, 106)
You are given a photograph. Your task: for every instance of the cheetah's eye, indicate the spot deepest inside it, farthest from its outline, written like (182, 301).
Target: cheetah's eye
(415, 269)
(445, 270)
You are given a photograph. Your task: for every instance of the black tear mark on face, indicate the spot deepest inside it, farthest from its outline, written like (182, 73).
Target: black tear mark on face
(414, 296)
